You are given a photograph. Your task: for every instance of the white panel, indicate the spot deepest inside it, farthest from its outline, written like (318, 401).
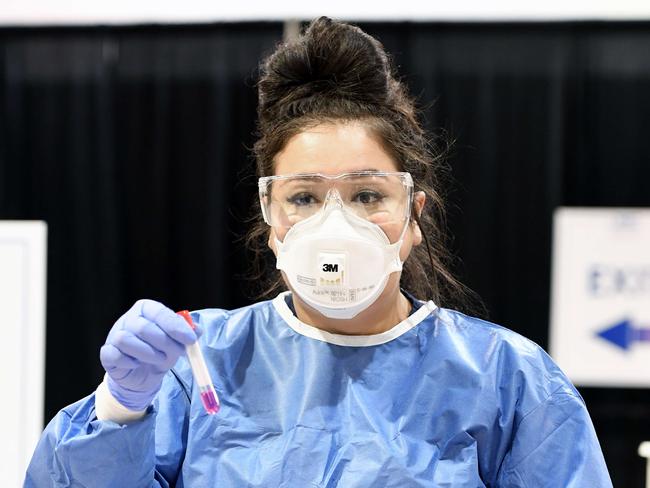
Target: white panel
(600, 296)
(22, 301)
(127, 11)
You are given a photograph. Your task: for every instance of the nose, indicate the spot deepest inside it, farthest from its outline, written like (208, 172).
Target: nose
(333, 200)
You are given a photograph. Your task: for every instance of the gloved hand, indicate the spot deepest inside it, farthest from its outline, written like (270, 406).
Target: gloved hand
(140, 348)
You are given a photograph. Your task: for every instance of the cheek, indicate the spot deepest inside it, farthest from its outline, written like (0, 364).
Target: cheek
(279, 232)
(411, 238)
(271, 241)
(392, 230)
(407, 245)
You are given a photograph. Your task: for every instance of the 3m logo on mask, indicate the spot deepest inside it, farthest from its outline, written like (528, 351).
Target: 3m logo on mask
(331, 269)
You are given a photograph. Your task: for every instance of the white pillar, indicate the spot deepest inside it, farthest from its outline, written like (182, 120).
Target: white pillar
(644, 451)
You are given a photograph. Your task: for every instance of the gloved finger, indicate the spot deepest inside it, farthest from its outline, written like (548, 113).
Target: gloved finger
(133, 346)
(118, 325)
(112, 358)
(174, 325)
(152, 334)
(198, 329)
(118, 374)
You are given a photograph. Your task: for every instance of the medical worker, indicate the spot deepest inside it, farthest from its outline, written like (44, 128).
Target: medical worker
(347, 379)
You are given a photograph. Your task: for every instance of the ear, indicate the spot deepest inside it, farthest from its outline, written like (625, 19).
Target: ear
(418, 205)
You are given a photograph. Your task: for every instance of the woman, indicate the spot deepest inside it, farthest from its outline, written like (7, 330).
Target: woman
(346, 380)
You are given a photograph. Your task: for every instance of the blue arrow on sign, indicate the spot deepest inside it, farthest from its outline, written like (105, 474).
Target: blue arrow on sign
(623, 334)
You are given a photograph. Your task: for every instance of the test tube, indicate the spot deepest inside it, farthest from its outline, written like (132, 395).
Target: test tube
(202, 379)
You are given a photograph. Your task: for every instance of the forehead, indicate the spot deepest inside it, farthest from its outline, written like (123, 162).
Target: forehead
(333, 149)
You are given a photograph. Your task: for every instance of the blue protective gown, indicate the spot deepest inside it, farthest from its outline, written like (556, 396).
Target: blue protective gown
(441, 400)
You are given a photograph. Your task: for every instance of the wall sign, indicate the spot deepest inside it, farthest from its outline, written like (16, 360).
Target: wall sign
(22, 306)
(600, 296)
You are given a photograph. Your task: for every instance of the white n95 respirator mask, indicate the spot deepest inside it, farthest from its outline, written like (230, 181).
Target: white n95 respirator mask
(336, 261)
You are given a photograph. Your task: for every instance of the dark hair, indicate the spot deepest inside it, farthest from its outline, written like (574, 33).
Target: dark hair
(335, 72)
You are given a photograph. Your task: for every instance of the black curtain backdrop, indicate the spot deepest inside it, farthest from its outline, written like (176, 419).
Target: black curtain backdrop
(132, 144)
(544, 115)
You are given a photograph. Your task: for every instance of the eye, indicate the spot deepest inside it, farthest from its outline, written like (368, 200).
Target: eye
(302, 199)
(367, 197)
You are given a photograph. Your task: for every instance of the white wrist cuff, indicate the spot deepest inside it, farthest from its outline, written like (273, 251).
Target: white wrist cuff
(108, 408)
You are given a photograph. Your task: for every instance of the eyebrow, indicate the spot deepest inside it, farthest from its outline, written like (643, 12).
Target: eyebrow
(364, 170)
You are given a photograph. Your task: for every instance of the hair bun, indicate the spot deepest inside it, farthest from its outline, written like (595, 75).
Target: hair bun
(331, 60)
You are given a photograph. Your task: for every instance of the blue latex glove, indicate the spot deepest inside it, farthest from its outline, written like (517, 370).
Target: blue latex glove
(140, 348)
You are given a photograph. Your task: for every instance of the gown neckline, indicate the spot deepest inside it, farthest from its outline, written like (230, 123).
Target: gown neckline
(280, 304)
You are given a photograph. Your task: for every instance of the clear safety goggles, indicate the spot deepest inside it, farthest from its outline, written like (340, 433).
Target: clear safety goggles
(380, 197)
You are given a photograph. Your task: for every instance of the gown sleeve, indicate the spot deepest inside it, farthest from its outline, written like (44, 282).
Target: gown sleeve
(555, 445)
(77, 450)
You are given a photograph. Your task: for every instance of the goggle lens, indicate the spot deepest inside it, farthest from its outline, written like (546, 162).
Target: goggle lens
(381, 198)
